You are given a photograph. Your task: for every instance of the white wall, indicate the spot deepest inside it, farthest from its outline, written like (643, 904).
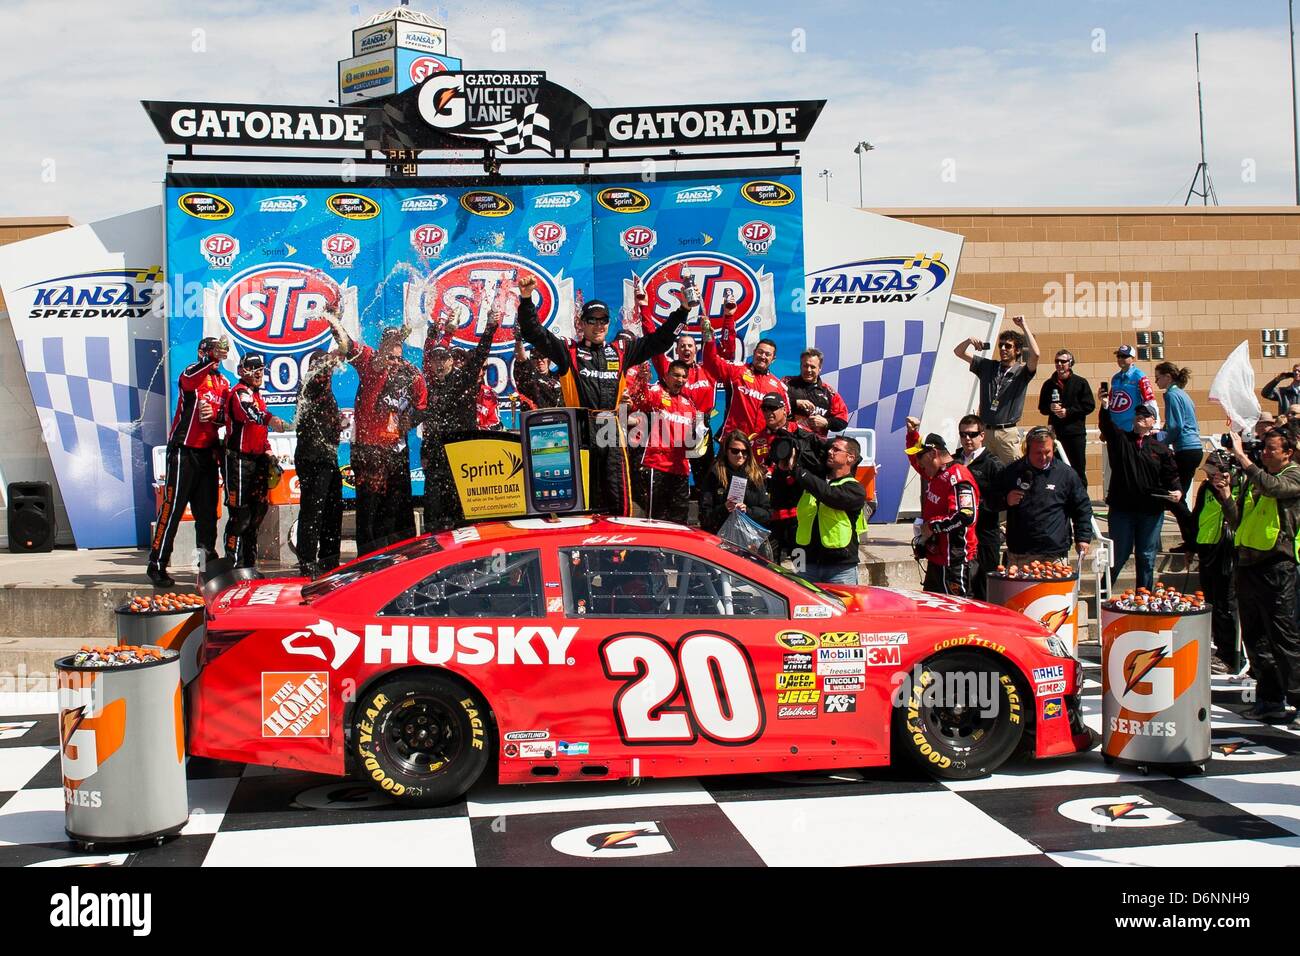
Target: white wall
(23, 455)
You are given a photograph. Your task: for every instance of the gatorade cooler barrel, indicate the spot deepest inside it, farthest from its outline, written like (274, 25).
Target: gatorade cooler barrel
(180, 629)
(1051, 603)
(1155, 687)
(122, 748)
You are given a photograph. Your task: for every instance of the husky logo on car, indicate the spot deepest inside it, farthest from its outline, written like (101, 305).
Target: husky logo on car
(762, 192)
(698, 194)
(219, 249)
(796, 640)
(883, 280)
(278, 307)
(107, 294)
(428, 203)
(352, 206)
(561, 199)
(436, 645)
(484, 203)
(282, 204)
(205, 206)
(622, 199)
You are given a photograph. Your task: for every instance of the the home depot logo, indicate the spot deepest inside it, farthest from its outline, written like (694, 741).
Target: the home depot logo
(295, 704)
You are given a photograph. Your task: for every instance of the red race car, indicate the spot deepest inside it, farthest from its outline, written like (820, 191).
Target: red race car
(580, 647)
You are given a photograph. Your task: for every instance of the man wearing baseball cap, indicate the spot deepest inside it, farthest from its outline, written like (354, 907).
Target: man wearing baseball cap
(193, 447)
(784, 490)
(1129, 388)
(949, 506)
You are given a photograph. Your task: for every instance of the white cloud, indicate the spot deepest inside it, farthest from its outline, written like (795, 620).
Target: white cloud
(1027, 122)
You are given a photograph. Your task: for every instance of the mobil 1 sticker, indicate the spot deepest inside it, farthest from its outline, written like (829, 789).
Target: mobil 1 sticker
(848, 684)
(797, 662)
(836, 655)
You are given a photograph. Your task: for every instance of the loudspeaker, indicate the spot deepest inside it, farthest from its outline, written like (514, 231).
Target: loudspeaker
(31, 516)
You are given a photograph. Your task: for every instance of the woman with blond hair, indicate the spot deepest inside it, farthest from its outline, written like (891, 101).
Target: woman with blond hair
(1183, 436)
(736, 459)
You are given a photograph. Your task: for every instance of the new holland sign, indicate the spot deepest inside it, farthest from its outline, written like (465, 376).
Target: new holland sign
(510, 111)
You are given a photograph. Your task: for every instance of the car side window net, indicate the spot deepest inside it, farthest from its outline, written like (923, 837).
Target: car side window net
(643, 582)
(498, 585)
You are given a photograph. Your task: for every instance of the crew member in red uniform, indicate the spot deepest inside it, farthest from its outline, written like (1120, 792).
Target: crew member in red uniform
(391, 400)
(747, 384)
(248, 460)
(700, 388)
(673, 420)
(817, 407)
(591, 374)
(193, 447)
(948, 508)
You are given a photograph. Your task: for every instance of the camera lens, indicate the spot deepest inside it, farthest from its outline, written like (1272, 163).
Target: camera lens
(782, 448)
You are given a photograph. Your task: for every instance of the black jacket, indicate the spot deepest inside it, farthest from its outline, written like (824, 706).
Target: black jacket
(713, 500)
(782, 488)
(319, 422)
(986, 470)
(1076, 397)
(1054, 513)
(1138, 469)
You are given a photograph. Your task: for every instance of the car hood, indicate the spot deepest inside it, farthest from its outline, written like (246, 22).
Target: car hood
(970, 612)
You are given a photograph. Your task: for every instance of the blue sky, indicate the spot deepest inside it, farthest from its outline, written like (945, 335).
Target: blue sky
(969, 103)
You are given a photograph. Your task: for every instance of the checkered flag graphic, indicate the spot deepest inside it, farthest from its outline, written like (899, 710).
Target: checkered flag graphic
(514, 136)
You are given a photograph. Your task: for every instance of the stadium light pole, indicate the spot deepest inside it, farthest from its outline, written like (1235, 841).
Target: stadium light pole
(861, 149)
(1295, 137)
(826, 175)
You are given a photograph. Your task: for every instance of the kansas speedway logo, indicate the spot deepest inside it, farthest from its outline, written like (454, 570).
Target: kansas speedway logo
(352, 206)
(621, 199)
(205, 206)
(764, 192)
(483, 203)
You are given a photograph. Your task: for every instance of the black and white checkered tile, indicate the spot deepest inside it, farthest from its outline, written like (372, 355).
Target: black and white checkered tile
(1245, 810)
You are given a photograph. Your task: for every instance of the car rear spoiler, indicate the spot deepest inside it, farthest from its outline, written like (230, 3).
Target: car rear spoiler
(216, 576)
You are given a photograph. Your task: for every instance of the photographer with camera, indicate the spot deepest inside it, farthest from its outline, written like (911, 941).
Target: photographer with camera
(775, 443)
(948, 508)
(832, 512)
(1266, 515)
(1284, 395)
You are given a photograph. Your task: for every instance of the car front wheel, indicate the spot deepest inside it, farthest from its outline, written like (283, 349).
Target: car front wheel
(423, 739)
(963, 717)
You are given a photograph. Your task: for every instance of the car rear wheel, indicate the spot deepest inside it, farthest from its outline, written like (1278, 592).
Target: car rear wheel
(963, 717)
(422, 740)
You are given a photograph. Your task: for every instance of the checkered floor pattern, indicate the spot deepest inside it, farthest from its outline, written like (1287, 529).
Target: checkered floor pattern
(1244, 811)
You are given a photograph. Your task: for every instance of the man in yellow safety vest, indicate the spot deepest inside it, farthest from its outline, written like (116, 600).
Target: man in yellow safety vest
(1266, 516)
(831, 515)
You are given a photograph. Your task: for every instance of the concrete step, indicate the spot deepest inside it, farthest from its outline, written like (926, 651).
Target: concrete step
(27, 663)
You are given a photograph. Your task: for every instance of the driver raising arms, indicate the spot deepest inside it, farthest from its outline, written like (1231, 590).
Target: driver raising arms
(592, 375)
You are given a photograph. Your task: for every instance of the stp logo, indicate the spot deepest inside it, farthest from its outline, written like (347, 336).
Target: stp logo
(471, 286)
(547, 237)
(717, 276)
(425, 67)
(428, 240)
(757, 236)
(341, 249)
(278, 307)
(219, 249)
(1120, 401)
(638, 241)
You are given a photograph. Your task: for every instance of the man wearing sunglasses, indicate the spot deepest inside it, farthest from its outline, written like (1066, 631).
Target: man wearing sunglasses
(592, 375)
(986, 470)
(1002, 385)
(1066, 399)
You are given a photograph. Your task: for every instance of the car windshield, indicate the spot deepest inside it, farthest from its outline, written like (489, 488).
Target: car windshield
(342, 577)
(786, 573)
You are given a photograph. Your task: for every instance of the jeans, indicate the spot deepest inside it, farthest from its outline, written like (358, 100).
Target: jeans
(829, 574)
(1132, 530)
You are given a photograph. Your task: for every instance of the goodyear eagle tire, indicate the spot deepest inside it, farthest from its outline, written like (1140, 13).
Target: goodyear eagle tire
(423, 740)
(962, 720)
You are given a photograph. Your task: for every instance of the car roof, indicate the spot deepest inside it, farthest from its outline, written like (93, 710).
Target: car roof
(575, 529)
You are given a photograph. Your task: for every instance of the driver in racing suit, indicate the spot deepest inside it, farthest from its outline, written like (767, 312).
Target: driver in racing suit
(591, 374)
(948, 508)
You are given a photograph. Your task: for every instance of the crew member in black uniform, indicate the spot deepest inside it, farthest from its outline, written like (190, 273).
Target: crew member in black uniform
(591, 374)
(193, 447)
(248, 460)
(316, 459)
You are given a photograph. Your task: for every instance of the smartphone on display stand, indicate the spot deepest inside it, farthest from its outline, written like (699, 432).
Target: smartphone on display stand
(552, 461)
